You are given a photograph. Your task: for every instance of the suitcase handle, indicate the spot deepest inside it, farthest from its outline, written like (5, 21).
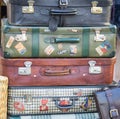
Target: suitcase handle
(63, 12)
(65, 106)
(57, 73)
(57, 40)
(62, 40)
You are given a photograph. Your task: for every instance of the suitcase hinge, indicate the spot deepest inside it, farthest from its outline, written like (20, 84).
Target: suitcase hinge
(95, 9)
(30, 8)
(25, 70)
(94, 69)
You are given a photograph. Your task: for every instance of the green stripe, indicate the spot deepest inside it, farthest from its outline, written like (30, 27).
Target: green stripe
(35, 42)
(85, 42)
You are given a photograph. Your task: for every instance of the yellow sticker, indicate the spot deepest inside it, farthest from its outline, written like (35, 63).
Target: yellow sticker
(10, 41)
(20, 48)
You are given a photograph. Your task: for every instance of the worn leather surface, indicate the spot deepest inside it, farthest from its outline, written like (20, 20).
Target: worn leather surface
(78, 71)
(103, 104)
(42, 15)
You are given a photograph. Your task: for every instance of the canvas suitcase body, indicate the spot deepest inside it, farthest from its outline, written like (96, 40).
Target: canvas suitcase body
(19, 41)
(59, 116)
(51, 100)
(59, 12)
(57, 71)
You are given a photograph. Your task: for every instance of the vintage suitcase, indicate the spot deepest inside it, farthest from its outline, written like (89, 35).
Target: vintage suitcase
(58, 71)
(60, 116)
(59, 12)
(19, 41)
(51, 100)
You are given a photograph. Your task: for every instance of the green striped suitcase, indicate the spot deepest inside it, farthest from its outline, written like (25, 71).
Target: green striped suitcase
(19, 41)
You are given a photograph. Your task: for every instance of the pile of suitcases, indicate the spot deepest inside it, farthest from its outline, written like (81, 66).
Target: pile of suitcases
(56, 54)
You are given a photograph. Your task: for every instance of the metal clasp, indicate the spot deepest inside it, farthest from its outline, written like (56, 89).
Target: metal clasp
(23, 36)
(94, 69)
(99, 36)
(113, 113)
(25, 70)
(28, 98)
(29, 8)
(63, 3)
(95, 9)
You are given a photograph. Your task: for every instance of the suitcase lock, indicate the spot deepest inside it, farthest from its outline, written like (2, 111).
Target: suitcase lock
(94, 69)
(30, 8)
(25, 70)
(95, 9)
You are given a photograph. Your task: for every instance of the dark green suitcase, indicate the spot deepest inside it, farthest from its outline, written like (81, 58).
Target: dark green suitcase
(19, 41)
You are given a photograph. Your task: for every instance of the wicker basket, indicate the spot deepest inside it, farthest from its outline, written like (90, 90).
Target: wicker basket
(3, 97)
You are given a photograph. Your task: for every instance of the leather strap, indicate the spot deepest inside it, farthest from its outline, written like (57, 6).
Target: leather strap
(53, 24)
(85, 42)
(35, 42)
(113, 110)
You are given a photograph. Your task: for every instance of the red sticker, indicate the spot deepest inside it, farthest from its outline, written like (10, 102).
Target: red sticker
(19, 106)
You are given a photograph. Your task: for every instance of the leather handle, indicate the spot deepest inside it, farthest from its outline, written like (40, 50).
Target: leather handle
(65, 106)
(73, 40)
(57, 73)
(63, 12)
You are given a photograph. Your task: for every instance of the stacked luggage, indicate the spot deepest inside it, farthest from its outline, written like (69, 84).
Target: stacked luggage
(56, 55)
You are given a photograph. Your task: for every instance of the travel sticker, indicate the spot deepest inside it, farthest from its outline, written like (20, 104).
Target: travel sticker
(49, 50)
(19, 106)
(103, 48)
(73, 49)
(20, 48)
(10, 41)
(86, 104)
(44, 106)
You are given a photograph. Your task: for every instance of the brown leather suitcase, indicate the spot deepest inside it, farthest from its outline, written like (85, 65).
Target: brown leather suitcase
(58, 71)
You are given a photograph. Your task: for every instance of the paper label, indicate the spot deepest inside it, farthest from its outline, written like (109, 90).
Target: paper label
(49, 50)
(10, 41)
(20, 48)
(103, 48)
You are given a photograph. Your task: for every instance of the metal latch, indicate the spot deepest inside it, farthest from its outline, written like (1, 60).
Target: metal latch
(63, 3)
(94, 69)
(29, 8)
(23, 36)
(25, 70)
(95, 9)
(99, 36)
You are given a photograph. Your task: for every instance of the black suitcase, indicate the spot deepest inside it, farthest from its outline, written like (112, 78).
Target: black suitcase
(59, 12)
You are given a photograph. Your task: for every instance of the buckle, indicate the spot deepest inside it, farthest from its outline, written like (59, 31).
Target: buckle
(63, 3)
(114, 113)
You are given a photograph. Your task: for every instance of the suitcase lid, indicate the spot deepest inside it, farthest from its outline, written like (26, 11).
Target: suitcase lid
(56, 3)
